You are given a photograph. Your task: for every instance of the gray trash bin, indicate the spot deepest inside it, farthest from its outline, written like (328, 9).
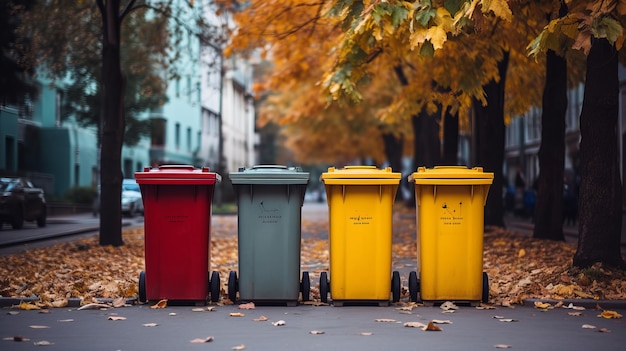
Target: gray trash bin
(269, 199)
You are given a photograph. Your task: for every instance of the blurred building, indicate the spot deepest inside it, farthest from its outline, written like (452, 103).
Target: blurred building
(210, 99)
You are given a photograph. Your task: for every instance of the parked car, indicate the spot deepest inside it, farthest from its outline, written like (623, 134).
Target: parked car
(132, 203)
(21, 201)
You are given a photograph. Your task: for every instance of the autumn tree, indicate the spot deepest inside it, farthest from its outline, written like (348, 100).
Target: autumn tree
(597, 29)
(65, 44)
(15, 78)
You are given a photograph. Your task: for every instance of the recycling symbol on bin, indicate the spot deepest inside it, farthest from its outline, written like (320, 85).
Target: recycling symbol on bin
(452, 211)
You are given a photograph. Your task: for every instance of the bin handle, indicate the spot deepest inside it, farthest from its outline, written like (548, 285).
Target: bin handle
(269, 167)
(182, 167)
(360, 167)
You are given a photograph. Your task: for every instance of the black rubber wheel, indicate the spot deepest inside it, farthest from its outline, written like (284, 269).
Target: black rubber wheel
(142, 287)
(324, 287)
(395, 286)
(214, 286)
(485, 295)
(18, 220)
(232, 286)
(41, 220)
(413, 286)
(305, 287)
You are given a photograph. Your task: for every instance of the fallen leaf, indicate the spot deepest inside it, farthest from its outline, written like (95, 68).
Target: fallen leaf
(385, 320)
(211, 309)
(316, 332)
(65, 320)
(239, 347)
(28, 306)
(279, 323)
(507, 320)
(16, 338)
(150, 325)
(521, 253)
(247, 306)
(117, 318)
(171, 314)
(575, 314)
(542, 305)
(39, 326)
(366, 333)
(485, 307)
(43, 343)
(119, 302)
(198, 310)
(94, 306)
(201, 341)
(432, 327)
(236, 314)
(415, 325)
(448, 305)
(260, 319)
(502, 346)
(609, 314)
(13, 313)
(588, 326)
(571, 306)
(160, 304)
(442, 321)
(604, 330)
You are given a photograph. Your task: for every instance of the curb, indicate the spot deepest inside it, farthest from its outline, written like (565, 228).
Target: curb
(72, 302)
(586, 303)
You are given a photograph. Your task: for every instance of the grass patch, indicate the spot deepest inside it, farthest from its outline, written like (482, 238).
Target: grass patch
(225, 208)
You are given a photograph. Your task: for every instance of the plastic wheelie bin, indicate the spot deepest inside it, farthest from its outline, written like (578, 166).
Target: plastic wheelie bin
(360, 202)
(177, 209)
(269, 200)
(450, 223)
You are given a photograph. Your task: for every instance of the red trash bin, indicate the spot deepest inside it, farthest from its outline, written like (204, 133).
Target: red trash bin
(177, 223)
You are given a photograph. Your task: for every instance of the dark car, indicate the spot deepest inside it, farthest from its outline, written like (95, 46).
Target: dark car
(21, 201)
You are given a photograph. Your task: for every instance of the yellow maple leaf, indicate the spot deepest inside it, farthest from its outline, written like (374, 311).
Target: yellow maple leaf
(609, 314)
(542, 305)
(28, 306)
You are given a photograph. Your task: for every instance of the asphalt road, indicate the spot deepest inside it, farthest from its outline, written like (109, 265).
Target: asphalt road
(359, 327)
(339, 328)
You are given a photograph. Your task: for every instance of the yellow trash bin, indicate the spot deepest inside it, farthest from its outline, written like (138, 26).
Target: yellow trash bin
(360, 201)
(450, 223)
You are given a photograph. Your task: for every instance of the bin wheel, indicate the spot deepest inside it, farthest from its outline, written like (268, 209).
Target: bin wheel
(232, 286)
(305, 287)
(485, 295)
(395, 286)
(413, 286)
(142, 287)
(214, 286)
(324, 287)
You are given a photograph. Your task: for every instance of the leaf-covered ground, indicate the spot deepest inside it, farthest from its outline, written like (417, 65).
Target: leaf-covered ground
(518, 266)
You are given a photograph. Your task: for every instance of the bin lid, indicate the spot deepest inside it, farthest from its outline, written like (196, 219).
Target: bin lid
(451, 175)
(361, 175)
(177, 175)
(269, 174)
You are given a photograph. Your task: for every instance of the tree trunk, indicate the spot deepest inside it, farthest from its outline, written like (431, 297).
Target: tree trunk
(549, 205)
(450, 139)
(600, 200)
(113, 127)
(393, 151)
(426, 145)
(490, 142)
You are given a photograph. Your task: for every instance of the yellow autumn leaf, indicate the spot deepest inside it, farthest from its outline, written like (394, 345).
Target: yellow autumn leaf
(610, 314)
(437, 36)
(521, 253)
(28, 306)
(542, 305)
(500, 8)
(160, 304)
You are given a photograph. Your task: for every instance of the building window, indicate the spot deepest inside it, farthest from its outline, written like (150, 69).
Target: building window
(158, 131)
(189, 138)
(177, 135)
